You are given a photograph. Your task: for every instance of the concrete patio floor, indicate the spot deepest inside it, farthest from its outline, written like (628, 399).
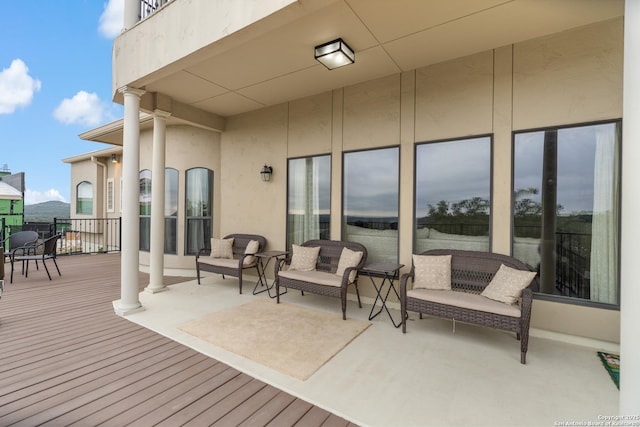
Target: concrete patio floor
(430, 376)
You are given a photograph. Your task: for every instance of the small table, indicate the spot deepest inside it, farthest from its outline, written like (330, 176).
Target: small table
(263, 262)
(389, 273)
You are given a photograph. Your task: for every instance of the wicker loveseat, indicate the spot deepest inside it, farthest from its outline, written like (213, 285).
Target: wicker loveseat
(471, 273)
(235, 265)
(322, 278)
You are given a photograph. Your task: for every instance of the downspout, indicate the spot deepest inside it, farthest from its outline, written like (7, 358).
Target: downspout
(103, 211)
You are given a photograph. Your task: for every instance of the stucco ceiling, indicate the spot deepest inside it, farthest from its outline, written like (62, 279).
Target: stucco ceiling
(387, 36)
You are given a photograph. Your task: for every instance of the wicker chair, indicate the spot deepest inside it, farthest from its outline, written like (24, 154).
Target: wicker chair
(471, 272)
(327, 263)
(230, 267)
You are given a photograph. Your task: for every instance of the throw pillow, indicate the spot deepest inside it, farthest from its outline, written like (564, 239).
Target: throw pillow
(507, 284)
(304, 258)
(432, 272)
(221, 248)
(252, 248)
(348, 258)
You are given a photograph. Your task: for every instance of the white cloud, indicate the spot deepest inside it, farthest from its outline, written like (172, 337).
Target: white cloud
(84, 108)
(31, 197)
(112, 19)
(16, 87)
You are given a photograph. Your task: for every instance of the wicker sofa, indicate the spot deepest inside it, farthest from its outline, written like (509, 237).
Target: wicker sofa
(323, 280)
(231, 266)
(471, 273)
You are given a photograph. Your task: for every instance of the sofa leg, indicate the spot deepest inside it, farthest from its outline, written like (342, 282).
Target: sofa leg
(523, 357)
(358, 295)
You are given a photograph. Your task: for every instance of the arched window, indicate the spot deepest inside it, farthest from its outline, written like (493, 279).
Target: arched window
(199, 209)
(170, 211)
(84, 198)
(145, 209)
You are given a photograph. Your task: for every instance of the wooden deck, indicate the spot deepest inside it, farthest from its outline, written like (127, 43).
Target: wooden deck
(67, 359)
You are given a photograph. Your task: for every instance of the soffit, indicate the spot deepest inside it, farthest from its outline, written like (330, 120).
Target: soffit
(275, 66)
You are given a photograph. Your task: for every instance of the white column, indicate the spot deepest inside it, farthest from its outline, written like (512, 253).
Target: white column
(156, 267)
(131, 12)
(629, 265)
(129, 264)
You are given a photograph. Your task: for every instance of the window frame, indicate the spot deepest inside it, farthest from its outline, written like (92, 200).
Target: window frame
(343, 216)
(84, 203)
(187, 218)
(491, 173)
(562, 298)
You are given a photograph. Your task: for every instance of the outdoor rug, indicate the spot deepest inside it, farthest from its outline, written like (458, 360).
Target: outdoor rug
(291, 339)
(611, 363)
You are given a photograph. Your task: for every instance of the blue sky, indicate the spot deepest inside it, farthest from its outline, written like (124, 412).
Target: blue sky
(55, 83)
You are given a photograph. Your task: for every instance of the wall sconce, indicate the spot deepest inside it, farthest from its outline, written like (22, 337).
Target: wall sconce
(266, 172)
(334, 54)
(114, 158)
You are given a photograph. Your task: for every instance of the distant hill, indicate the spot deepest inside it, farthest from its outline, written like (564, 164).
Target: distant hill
(46, 211)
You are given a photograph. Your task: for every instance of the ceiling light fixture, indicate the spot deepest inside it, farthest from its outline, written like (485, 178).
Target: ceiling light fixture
(334, 54)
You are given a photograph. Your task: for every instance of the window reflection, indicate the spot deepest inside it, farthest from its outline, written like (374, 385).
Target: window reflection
(453, 188)
(308, 202)
(566, 209)
(370, 201)
(199, 209)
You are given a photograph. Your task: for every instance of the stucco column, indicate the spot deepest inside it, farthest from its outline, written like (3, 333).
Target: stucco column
(156, 262)
(630, 230)
(129, 264)
(131, 11)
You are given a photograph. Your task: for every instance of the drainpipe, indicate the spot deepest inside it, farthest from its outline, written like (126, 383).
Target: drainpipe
(103, 211)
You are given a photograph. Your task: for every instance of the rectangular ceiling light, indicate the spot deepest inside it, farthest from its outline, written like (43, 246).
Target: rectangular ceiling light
(334, 54)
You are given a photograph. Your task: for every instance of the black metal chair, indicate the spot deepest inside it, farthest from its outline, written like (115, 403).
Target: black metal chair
(41, 252)
(18, 241)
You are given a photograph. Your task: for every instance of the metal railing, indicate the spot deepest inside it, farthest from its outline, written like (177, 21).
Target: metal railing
(84, 236)
(149, 7)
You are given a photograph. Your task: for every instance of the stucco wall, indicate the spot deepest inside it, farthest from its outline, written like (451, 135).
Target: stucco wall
(570, 77)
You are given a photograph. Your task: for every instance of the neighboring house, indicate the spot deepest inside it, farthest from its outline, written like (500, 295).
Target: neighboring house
(11, 201)
(484, 125)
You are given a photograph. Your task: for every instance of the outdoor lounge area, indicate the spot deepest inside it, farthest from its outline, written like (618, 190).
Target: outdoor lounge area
(429, 376)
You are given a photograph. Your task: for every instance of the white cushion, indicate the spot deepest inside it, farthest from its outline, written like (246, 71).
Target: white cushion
(432, 272)
(304, 258)
(465, 300)
(315, 276)
(252, 248)
(219, 262)
(507, 284)
(222, 248)
(348, 258)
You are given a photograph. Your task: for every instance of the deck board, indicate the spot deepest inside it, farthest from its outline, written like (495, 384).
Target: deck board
(68, 359)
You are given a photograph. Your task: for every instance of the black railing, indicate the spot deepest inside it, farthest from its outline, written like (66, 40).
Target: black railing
(92, 235)
(149, 7)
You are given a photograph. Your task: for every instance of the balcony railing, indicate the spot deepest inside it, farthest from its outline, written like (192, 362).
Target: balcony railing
(149, 7)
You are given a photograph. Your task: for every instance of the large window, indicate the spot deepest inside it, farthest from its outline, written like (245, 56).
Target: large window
(84, 198)
(370, 201)
(170, 211)
(308, 202)
(453, 195)
(199, 209)
(145, 210)
(566, 209)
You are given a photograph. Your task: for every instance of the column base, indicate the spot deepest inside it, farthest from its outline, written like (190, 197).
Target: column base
(152, 290)
(122, 310)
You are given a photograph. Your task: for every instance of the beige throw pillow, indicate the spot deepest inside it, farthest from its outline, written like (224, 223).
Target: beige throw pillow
(304, 258)
(252, 248)
(222, 248)
(507, 284)
(348, 258)
(432, 272)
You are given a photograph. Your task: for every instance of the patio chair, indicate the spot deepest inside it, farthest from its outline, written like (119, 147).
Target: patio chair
(19, 240)
(41, 252)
